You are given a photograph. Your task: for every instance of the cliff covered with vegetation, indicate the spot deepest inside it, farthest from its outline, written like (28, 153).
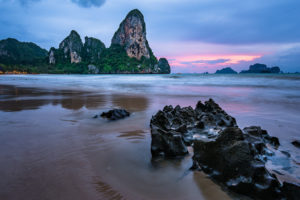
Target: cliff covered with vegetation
(129, 52)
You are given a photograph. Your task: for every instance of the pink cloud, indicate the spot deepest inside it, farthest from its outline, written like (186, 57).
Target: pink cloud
(210, 63)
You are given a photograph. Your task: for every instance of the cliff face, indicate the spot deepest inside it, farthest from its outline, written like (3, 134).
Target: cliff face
(92, 49)
(129, 52)
(52, 59)
(132, 36)
(72, 47)
(72, 50)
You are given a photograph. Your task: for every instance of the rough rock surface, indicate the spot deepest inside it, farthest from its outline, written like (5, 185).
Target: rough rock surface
(52, 59)
(115, 114)
(172, 123)
(72, 47)
(163, 66)
(92, 49)
(132, 35)
(93, 69)
(233, 157)
(129, 51)
(237, 160)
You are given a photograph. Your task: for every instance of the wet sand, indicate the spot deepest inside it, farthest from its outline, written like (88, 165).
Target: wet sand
(52, 148)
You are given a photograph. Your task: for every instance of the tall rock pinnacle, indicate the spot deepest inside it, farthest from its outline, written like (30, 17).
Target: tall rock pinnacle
(132, 36)
(129, 51)
(72, 47)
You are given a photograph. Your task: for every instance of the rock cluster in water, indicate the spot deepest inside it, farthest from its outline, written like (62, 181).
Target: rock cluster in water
(115, 114)
(261, 68)
(226, 70)
(235, 158)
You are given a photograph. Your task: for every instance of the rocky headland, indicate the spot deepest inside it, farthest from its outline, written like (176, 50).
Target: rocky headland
(226, 70)
(238, 159)
(129, 52)
(261, 68)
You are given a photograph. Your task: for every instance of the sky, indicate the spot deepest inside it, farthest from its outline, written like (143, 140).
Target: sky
(194, 35)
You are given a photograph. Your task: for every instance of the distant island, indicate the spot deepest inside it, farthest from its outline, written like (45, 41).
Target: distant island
(261, 68)
(129, 52)
(256, 68)
(226, 70)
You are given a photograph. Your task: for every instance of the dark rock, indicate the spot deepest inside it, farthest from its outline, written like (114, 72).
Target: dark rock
(261, 68)
(169, 144)
(273, 140)
(296, 143)
(115, 114)
(291, 191)
(258, 134)
(233, 157)
(95, 116)
(163, 66)
(233, 160)
(226, 70)
(171, 125)
(258, 68)
(275, 70)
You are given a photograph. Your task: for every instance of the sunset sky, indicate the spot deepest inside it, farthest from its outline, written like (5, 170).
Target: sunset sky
(195, 35)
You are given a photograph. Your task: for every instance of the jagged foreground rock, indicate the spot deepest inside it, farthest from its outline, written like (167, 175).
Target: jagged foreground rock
(233, 157)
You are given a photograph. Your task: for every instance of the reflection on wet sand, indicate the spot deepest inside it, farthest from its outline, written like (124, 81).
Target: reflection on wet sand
(13, 98)
(133, 135)
(19, 105)
(10, 91)
(130, 103)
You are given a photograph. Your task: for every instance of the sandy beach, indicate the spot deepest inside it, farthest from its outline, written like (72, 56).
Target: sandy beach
(51, 147)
